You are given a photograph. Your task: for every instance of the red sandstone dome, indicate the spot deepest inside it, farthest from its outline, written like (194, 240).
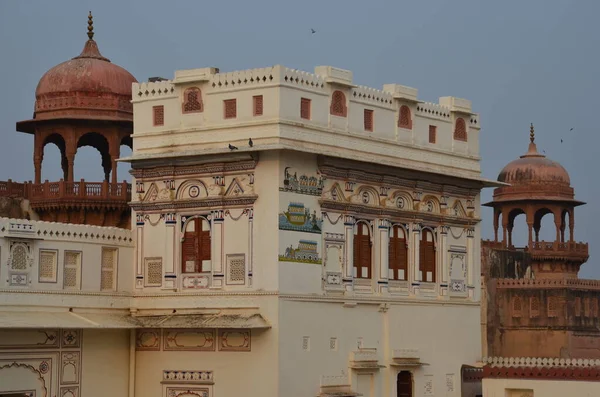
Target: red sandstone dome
(88, 86)
(533, 176)
(534, 168)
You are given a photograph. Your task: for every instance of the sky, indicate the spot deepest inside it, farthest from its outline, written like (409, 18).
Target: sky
(518, 61)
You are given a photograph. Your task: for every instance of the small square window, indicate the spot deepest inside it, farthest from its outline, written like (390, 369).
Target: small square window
(257, 105)
(432, 133)
(305, 108)
(368, 120)
(230, 108)
(158, 115)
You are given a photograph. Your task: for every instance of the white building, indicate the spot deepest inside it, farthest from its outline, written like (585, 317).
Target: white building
(293, 234)
(348, 225)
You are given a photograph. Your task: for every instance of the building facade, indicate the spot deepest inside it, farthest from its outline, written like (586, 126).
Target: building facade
(292, 234)
(346, 217)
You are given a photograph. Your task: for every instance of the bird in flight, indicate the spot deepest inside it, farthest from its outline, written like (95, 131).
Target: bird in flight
(571, 129)
(231, 147)
(561, 141)
(250, 143)
(313, 31)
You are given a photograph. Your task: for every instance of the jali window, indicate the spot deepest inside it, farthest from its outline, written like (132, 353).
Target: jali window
(192, 100)
(158, 115)
(460, 130)
(257, 105)
(338, 104)
(368, 120)
(405, 119)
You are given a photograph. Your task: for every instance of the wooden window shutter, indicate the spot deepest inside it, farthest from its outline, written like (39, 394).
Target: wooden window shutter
(205, 245)
(366, 254)
(188, 252)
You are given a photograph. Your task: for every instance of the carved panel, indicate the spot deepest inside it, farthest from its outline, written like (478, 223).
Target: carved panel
(153, 267)
(188, 392)
(196, 282)
(70, 368)
(70, 338)
(70, 391)
(189, 340)
(28, 338)
(147, 339)
(236, 269)
(234, 340)
(47, 266)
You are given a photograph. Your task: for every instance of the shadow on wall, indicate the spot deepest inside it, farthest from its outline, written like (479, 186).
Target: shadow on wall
(498, 263)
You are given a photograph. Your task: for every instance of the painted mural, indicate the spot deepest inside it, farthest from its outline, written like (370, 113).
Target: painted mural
(297, 217)
(302, 184)
(306, 251)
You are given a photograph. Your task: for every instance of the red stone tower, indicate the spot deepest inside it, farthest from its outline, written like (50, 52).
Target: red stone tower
(538, 187)
(84, 101)
(535, 305)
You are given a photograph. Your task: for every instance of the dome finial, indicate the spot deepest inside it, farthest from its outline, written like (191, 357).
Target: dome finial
(531, 133)
(90, 26)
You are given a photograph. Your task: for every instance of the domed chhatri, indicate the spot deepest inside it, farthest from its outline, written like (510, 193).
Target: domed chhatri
(87, 86)
(534, 167)
(537, 186)
(85, 101)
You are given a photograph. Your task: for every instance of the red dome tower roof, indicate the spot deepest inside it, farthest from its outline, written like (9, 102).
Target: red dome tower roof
(88, 86)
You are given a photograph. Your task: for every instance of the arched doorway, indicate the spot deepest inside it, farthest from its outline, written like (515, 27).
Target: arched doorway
(404, 384)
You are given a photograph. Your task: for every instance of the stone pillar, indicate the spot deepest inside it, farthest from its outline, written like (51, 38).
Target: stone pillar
(470, 256)
(415, 251)
(170, 245)
(443, 249)
(572, 225)
(382, 256)
(70, 163)
(38, 157)
(250, 244)
(348, 273)
(139, 251)
(504, 229)
(114, 151)
(530, 239)
(496, 216)
(216, 255)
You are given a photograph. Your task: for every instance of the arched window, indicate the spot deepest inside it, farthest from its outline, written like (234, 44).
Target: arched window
(460, 130)
(398, 254)
(405, 120)
(362, 251)
(195, 248)
(192, 100)
(427, 256)
(404, 384)
(338, 104)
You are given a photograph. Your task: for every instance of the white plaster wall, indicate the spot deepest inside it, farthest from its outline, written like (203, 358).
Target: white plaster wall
(67, 237)
(539, 388)
(105, 363)
(281, 98)
(447, 336)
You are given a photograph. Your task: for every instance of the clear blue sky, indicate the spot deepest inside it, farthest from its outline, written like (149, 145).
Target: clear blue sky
(518, 61)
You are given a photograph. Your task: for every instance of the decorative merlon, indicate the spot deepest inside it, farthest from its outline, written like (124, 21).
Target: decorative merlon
(456, 104)
(335, 75)
(194, 75)
(402, 92)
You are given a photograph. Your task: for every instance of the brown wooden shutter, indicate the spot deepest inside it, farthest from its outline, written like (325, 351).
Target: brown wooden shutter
(392, 259)
(365, 247)
(357, 259)
(188, 250)
(402, 258)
